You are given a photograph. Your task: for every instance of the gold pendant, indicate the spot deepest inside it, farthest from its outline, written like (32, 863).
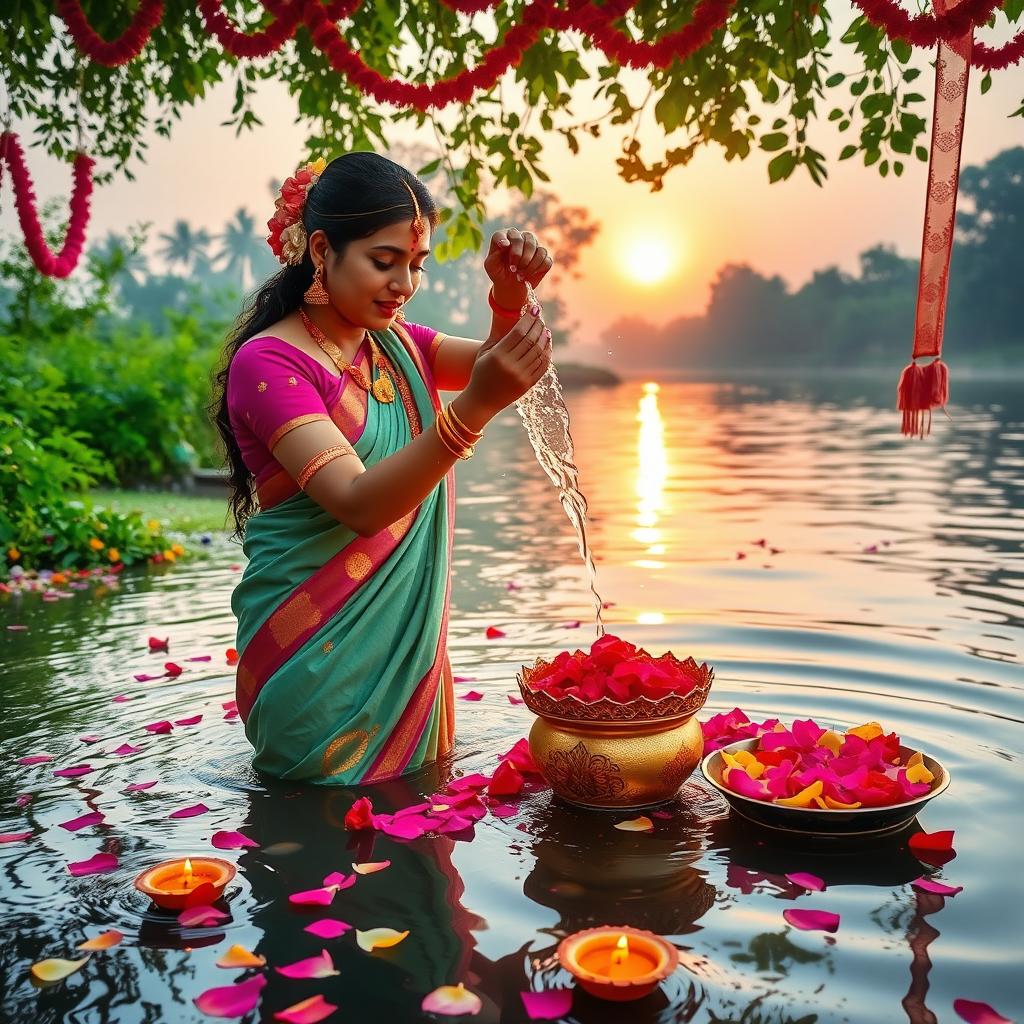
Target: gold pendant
(383, 389)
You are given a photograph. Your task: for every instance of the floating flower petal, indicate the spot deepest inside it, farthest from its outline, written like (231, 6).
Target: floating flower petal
(160, 728)
(641, 824)
(807, 881)
(14, 837)
(56, 969)
(328, 928)
(452, 1001)
(812, 920)
(313, 897)
(978, 1013)
(198, 917)
(370, 867)
(551, 1004)
(379, 938)
(83, 821)
(339, 880)
(938, 888)
(189, 812)
(471, 695)
(35, 759)
(238, 956)
(493, 633)
(156, 644)
(125, 750)
(138, 787)
(359, 815)
(98, 865)
(193, 720)
(107, 940)
(172, 669)
(232, 1000)
(309, 1011)
(506, 780)
(74, 772)
(321, 966)
(233, 841)
(933, 847)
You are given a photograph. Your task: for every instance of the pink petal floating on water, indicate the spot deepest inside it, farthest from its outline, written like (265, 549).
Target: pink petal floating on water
(512, 585)
(371, 867)
(233, 713)
(172, 669)
(663, 815)
(35, 759)
(514, 700)
(160, 728)
(978, 1013)
(812, 920)
(321, 966)
(503, 810)
(231, 1000)
(453, 823)
(740, 555)
(199, 657)
(230, 705)
(84, 821)
(89, 739)
(125, 749)
(932, 847)
(575, 624)
(23, 800)
(452, 1001)
(155, 644)
(74, 771)
(328, 928)
(189, 812)
(409, 826)
(105, 941)
(340, 881)
(233, 841)
(807, 881)
(14, 837)
(100, 864)
(550, 1004)
(463, 679)
(313, 897)
(475, 781)
(138, 787)
(309, 1011)
(506, 780)
(121, 698)
(197, 917)
(471, 695)
(143, 677)
(194, 720)
(493, 633)
(939, 888)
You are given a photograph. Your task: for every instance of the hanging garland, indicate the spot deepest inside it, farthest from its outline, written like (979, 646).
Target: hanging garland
(118, 51)
(61, 264)
(259, 44)
(995, 58)
(927, 29)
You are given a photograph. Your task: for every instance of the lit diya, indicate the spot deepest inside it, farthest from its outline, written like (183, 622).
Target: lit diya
(176, 884)
(615, 727)
(618, 963)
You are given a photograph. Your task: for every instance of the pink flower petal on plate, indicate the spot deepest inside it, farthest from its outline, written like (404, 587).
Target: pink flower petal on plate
(321, 966)
(328, 928)
(83, 821)
(189, 812)
(194, 720)
(550, 1004)
(471, 695)
(807, 881)
(197, 917)
(160, 728)
(35, 759)
(313, 897)
(233, 841)
(371, 867)
(939, 888)
(74, 771)
(812, 920)
(309, 1011)
(493, 633)
(514, 700)
(452, 1001)
(125, 750)
(14, 837)
(97, 865)
(978, 1013)
(138, 787)
(231, 1000)
(105, 941)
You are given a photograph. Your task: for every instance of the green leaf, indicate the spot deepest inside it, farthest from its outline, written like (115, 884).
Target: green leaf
(781, 166)
(773, 141)
(833, 80)
(986, 82)
(902, 50)
(847, 152)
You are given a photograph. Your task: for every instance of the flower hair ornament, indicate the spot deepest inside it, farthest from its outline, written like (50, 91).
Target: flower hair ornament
(287, 236)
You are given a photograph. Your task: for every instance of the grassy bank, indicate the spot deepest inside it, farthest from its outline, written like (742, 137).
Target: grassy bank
(177, 512)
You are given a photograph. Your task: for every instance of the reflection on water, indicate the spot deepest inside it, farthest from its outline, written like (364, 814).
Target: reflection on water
(879, 579)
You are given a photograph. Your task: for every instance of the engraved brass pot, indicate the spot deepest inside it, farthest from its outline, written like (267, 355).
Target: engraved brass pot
(612, 754)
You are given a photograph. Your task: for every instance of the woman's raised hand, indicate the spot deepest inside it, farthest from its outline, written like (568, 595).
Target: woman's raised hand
(508, 367)
(516, 258)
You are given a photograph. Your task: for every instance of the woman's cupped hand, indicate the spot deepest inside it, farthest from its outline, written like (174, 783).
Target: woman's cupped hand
(516, 258)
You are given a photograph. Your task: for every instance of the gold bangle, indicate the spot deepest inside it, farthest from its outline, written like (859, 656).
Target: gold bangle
(454, 431)
(460, 426)
(320, 460)
(452, 444)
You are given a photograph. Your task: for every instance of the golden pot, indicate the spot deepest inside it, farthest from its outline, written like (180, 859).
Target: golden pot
(608, 753)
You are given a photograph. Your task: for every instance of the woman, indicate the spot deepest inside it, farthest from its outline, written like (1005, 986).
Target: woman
(328, 406)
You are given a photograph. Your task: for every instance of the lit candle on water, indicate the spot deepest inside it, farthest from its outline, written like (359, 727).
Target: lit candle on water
(188, 873)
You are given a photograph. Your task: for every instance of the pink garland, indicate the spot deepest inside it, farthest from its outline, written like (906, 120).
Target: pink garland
(287, 16)
(66, 260)
(118, 51)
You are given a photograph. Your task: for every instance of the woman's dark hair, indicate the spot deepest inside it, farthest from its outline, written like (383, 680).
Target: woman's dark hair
(356, 183)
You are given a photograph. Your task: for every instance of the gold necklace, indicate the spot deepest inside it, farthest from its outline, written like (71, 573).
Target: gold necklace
(382, 388)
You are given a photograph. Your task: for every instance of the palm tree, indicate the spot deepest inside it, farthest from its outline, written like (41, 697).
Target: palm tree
(123, 251)
(185, 247)
(242, 248)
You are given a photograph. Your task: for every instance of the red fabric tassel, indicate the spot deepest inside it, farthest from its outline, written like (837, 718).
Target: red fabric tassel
(921, 389)
(939, 390)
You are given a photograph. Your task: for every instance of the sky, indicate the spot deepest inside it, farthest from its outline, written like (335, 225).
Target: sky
(710, 213)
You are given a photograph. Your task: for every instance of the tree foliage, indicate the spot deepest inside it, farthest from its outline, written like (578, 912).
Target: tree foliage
(761, 87)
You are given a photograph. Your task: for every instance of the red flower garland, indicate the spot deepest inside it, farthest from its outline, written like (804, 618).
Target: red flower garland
(926, 29)
(995, 58)
(259, 44)
(118, 51)
(24, 199)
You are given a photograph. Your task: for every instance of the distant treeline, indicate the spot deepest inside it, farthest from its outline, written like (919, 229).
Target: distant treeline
(843, 321)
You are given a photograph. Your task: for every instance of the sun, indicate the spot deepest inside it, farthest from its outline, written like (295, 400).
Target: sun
(648, 260)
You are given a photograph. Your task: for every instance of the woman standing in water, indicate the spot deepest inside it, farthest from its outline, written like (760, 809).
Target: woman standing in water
(341, 456)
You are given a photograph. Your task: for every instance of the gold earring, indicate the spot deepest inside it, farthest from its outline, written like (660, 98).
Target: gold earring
(316, 293)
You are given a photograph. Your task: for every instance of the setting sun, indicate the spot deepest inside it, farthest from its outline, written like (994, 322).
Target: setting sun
(648, 260)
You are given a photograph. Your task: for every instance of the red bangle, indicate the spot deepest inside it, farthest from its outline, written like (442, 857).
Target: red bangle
(509, 314)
